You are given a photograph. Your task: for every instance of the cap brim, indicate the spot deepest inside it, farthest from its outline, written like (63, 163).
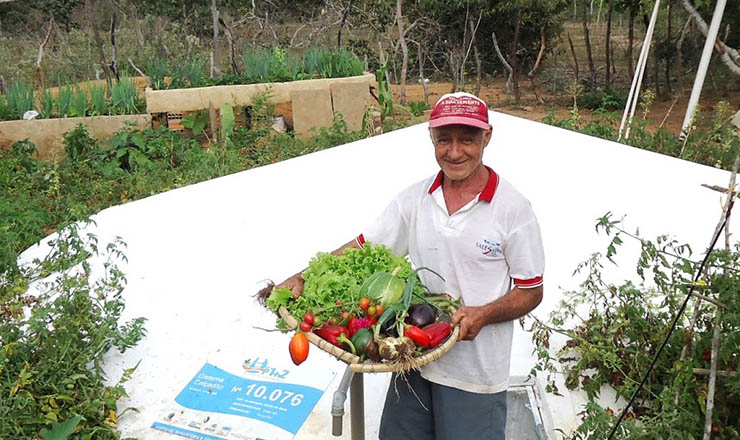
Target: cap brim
(458, 120)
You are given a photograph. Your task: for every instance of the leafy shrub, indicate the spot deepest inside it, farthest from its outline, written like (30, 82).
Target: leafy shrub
(614, 330)
(418, 107)
(604, 99)
(54, 339)
(78, 143)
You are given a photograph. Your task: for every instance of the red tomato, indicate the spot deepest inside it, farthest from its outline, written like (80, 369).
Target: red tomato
(308, 318)
(364, 303)
(305, 327)
(339, 302)
(345, 315)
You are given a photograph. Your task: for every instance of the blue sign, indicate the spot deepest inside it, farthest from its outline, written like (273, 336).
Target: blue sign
(284, 405)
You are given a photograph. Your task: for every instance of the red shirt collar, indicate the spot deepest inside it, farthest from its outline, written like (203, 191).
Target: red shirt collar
(486, 195)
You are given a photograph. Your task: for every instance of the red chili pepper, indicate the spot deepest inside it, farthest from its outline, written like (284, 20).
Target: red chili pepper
(331, 333)
(437, 332)
(417, 335)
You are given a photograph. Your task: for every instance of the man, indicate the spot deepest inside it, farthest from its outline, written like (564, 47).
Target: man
(481, 235)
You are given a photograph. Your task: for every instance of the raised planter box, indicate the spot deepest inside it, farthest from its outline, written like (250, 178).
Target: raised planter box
(200, 98)
(48, 134)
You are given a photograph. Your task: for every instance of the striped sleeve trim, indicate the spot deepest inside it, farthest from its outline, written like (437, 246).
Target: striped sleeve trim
(360, 240)
(528, 284)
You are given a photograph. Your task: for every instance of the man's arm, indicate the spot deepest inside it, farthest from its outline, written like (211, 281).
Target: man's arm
(295, 282)
(515, 304)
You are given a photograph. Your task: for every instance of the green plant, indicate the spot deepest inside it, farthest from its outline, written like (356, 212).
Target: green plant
(157, 71)
(613, 330)
(65, 96)
(227, 123)
(47, 104)
(78, 143)
(20, 98)
(418, 107)
(256, 65)
(79, 104)
(54, 340)
(124, 97)
(196, 122)
(98, 103)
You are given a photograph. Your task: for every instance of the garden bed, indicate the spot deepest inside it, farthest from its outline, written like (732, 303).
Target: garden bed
(48, 134)
(200, 98)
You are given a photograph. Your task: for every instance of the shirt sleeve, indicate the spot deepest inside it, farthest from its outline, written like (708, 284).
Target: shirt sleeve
(391, 229)
(524, 252)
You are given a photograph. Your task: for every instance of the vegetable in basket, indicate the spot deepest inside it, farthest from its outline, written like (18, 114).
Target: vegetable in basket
(437, 332)
(298, 348)
(383, 287)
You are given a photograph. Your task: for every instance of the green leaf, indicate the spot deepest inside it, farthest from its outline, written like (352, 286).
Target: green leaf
(61, 431)
(227, 121)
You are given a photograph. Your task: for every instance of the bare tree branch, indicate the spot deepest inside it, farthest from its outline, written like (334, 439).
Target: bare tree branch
(506, 65)
(729, 56)
(39, 72)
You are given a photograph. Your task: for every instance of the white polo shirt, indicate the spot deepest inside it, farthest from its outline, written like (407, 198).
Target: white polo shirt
(479, 250)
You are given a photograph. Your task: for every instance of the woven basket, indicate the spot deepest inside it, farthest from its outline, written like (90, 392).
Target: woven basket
(372, 367)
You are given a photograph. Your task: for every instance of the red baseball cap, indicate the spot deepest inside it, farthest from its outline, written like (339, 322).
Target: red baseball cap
(459, 108)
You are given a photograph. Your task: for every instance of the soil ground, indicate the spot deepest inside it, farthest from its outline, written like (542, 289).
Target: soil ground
(494, 93)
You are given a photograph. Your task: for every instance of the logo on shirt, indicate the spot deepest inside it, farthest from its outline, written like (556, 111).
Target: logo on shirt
(490, 248)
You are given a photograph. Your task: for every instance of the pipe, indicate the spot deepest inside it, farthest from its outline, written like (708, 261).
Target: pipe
(701, 73)
(357, 407)
(640, 72)
(337, 404)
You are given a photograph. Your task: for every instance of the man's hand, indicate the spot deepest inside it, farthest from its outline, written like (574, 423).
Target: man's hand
(471, 321)
(294, 283)
(515, 304)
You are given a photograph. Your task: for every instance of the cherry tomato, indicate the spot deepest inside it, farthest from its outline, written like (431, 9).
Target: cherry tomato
(373, 320)
(345, 315)
(339, 302)
(364, 303)
(305, 327)
(379, 309)
(317, 321)
(309, 318)
(331, 321)
(371, 310)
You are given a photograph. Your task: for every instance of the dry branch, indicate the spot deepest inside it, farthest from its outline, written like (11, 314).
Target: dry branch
(114, 55)
(506, 65)
(39, 72)
(573, 52)
(137, 69)
(729, 56)
(532, 73)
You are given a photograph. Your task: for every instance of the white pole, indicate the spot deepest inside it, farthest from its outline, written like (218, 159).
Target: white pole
(637, 79)
(701, 73)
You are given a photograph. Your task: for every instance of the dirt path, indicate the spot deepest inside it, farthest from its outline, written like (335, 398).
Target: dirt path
(495, 95)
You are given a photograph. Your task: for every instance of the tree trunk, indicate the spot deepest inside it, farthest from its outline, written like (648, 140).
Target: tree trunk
(404, 50)
(216, 41)
(232, 45)
(533, 73)
(573, 52)
(39, 70)
(506, 65)
(423, 80)
(588, 44)
(90, 10)
(341, 25)
(631, 40)
(514, 55)
(669, 37)
(608, 46)
(114, 46)
(476, 55)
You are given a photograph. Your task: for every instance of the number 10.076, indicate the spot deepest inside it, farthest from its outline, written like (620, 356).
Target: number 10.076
(260, 392)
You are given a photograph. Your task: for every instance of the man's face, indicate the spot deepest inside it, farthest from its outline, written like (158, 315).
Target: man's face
(459, 149)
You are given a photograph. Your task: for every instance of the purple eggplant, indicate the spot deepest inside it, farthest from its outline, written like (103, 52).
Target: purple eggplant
(421, 315)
